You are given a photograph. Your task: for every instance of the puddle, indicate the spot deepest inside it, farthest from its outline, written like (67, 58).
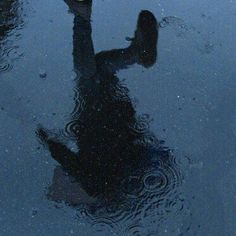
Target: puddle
(117, 118)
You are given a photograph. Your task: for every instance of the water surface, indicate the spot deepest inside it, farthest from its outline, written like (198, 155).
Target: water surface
(102, 133)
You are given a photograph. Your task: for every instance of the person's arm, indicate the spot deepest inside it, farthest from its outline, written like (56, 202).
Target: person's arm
(60, 152)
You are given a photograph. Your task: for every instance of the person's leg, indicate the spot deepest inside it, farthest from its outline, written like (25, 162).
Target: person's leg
(145, 40)
(142, 50)
(83, 51)
(81, 8)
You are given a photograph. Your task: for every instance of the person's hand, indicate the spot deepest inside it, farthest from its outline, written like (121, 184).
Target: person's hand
(42, 134)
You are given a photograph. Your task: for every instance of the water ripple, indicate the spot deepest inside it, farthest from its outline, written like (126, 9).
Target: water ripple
(11, 23)
(134, 230)
(79, 104)
(104, 224)
(5, 66)
(72, 129)
(155, 181)
(141, 125)
(133, 186)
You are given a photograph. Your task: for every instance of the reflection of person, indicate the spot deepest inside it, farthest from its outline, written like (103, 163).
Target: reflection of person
(113, 141)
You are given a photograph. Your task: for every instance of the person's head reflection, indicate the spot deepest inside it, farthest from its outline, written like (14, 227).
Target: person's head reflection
(113, 142)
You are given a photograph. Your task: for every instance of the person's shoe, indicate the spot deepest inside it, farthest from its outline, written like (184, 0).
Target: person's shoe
(145, 38)
(80, 7)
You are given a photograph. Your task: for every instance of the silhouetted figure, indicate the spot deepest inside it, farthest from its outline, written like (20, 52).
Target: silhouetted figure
(113, 142)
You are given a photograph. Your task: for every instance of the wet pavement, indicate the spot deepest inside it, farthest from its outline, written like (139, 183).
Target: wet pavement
(117, 118)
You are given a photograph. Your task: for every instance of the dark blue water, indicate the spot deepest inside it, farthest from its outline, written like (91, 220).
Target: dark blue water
(117, 118)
